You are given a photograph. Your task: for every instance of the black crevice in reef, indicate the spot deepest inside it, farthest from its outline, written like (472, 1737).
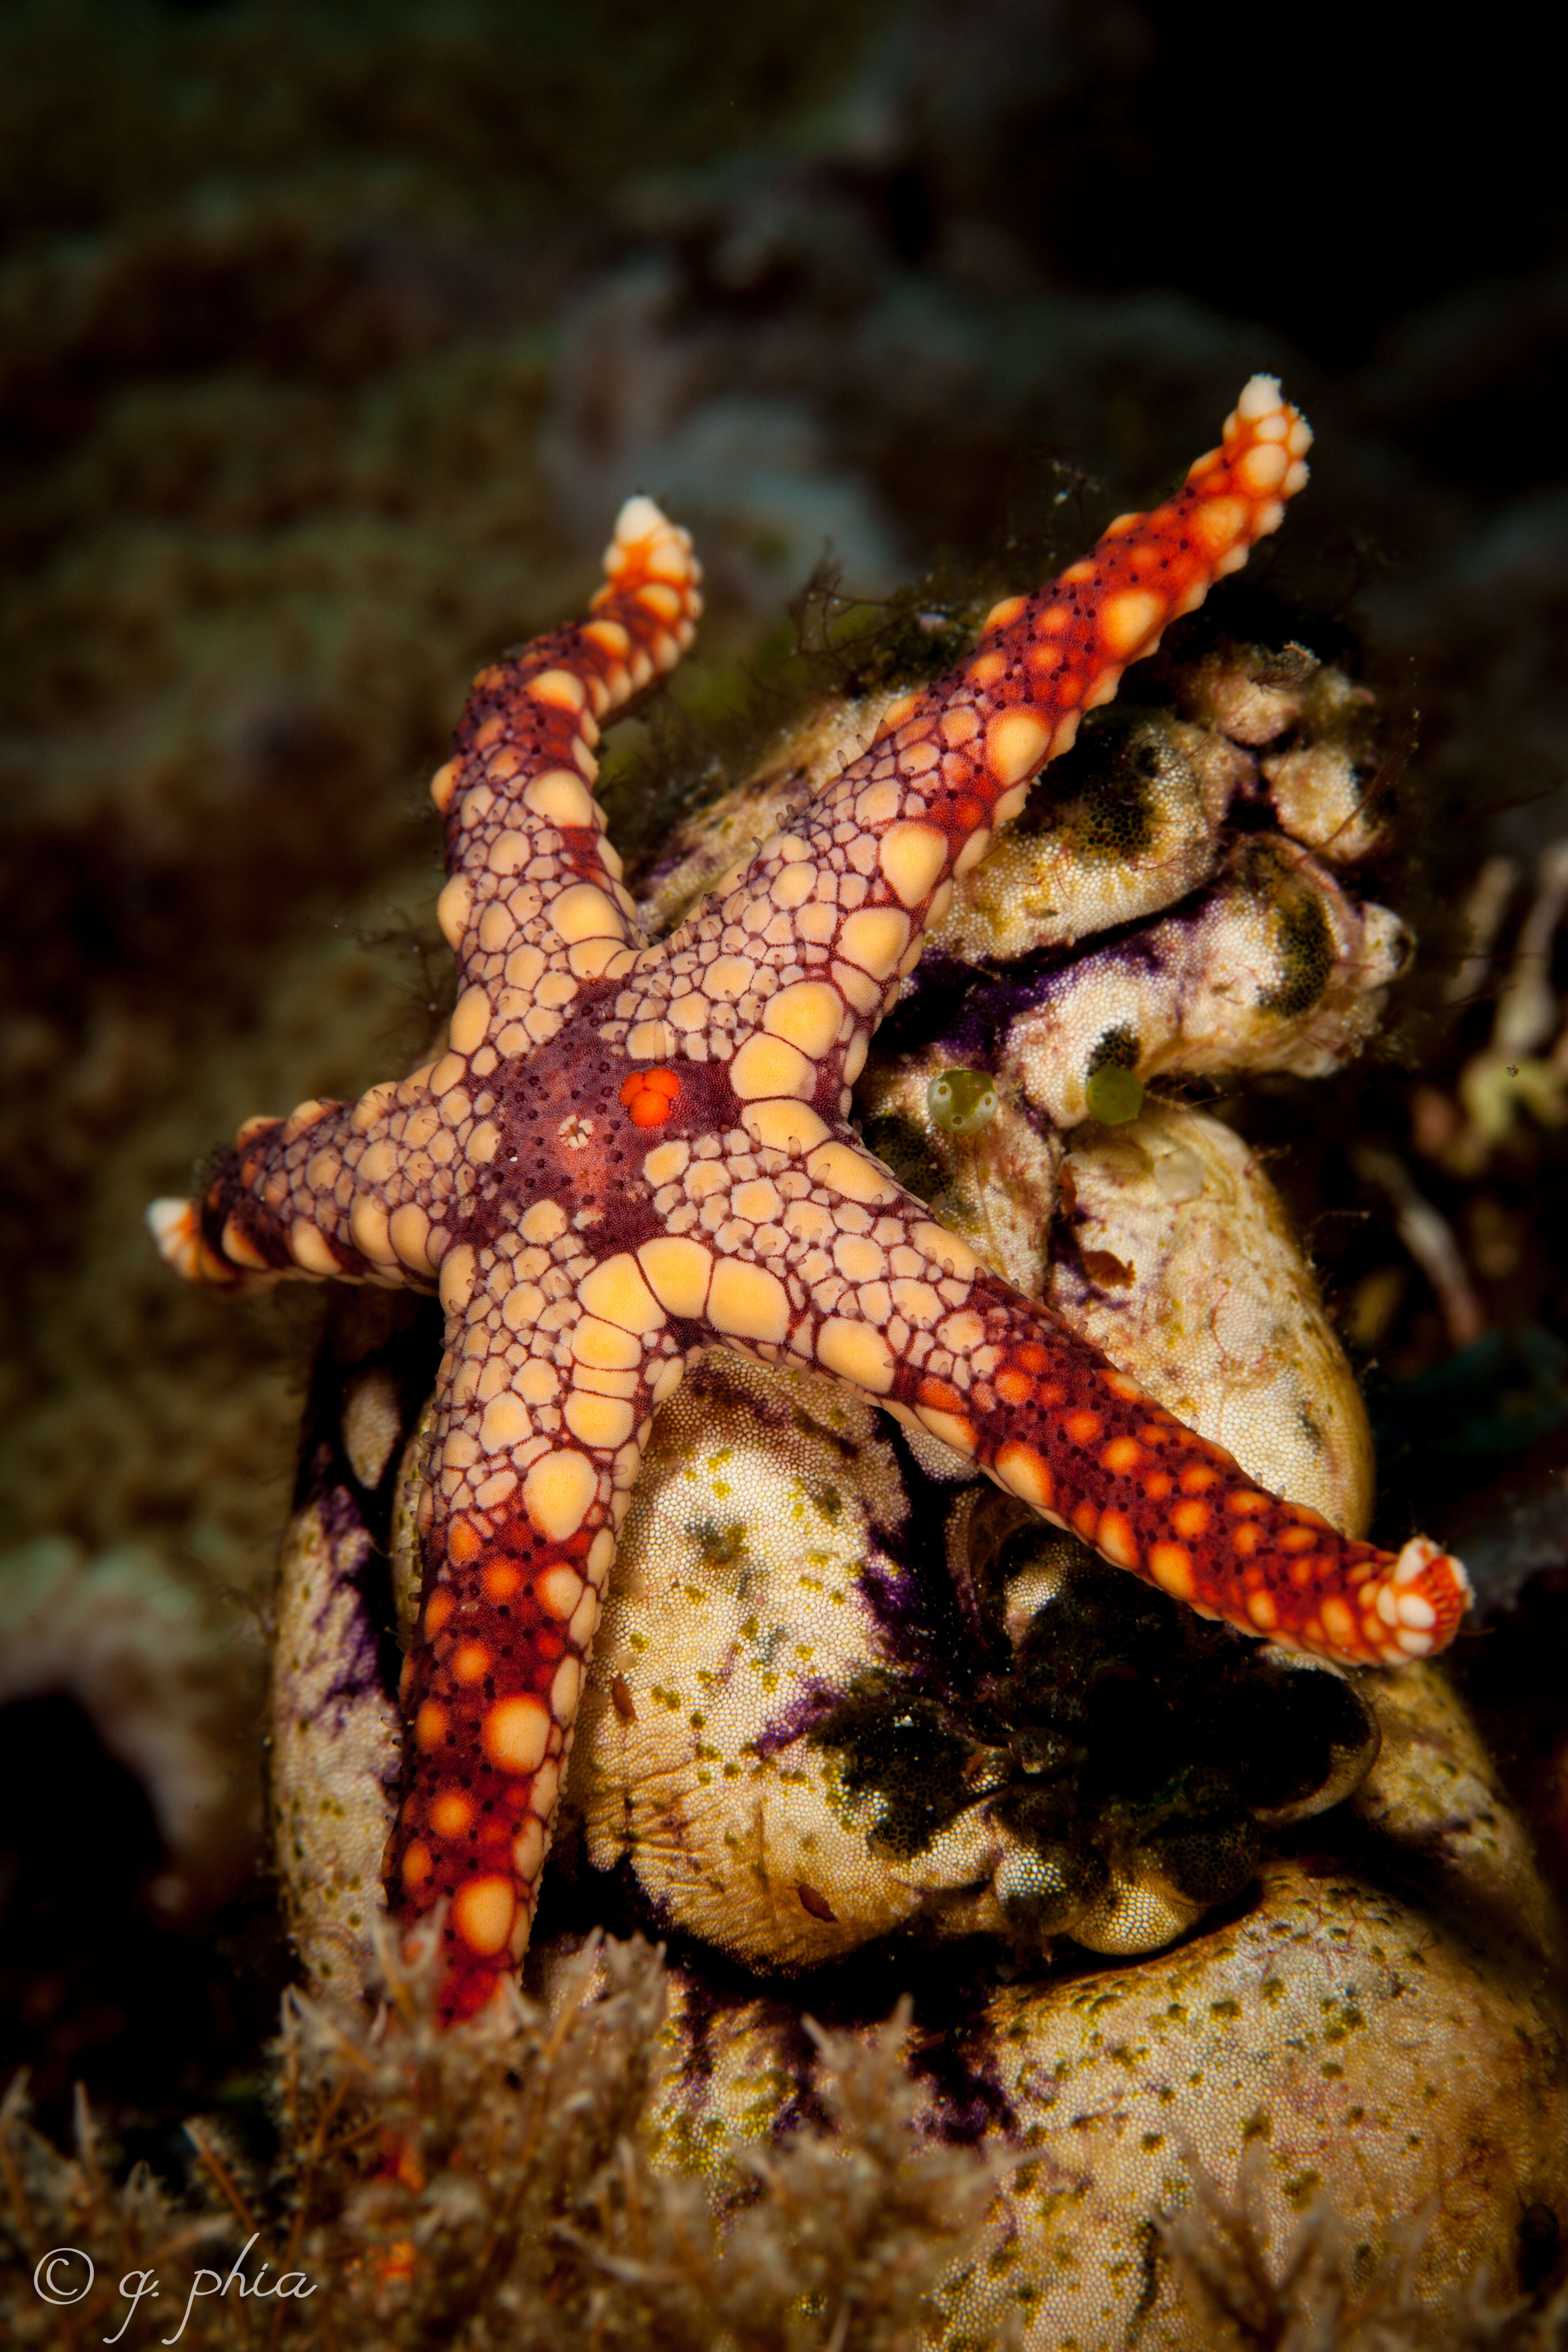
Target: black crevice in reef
(1098, 798)
(1306, 946)
(932, 1620)
(1122, 1726)
(962, 2067)
(396, 1333)
(1241, 613)
(900, 1145)
(862, 1987)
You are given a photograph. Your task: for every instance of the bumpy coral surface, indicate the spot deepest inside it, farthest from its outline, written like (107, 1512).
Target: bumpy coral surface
(835, 1679)
(1351, 2043)
(627, 1152)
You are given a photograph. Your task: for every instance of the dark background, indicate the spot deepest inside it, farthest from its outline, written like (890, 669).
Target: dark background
(331, 337)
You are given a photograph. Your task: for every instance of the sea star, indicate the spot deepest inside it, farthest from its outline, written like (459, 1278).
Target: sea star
(628, 1152)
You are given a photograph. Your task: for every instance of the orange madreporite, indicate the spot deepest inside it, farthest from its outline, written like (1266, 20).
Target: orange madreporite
(628, 1152)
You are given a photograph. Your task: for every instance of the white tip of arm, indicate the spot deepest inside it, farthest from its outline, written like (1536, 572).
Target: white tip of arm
(1259, 398)
(173, 1226)
(638, 520)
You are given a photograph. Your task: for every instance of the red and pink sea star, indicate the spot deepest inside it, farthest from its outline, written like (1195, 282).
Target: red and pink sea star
(629, 1152)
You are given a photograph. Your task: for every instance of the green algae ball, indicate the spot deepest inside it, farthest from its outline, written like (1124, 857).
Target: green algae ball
(962, 1101)
(1114, 1095)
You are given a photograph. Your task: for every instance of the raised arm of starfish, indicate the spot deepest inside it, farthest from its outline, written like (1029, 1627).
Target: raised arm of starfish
(629, 1151)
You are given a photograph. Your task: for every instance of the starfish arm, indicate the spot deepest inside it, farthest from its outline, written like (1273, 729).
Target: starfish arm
(334, 1189)
(1051, 1420)
(535, 906)
(554, 1366)
(837, 905)
(853, 1275)
(816, 1254)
